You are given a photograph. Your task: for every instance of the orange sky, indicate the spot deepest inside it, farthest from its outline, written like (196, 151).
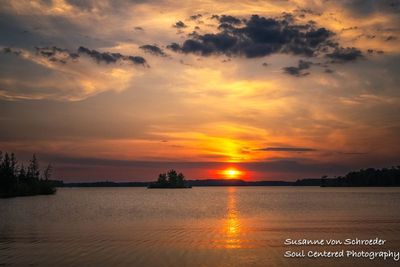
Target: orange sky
(253, 106)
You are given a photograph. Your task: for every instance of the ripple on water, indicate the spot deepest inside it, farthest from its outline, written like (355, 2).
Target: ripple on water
(197, 227)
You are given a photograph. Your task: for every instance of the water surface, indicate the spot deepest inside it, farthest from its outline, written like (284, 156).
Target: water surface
(203, 226)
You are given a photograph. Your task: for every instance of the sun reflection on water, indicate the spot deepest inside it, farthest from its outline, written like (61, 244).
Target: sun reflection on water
(232, 225)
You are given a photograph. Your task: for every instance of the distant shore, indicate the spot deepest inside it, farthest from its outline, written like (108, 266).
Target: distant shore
(385, 177)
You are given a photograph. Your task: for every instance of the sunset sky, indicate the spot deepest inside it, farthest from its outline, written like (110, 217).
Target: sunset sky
(276, 90)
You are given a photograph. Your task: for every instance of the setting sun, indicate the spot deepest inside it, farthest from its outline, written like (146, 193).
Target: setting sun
(231, 173)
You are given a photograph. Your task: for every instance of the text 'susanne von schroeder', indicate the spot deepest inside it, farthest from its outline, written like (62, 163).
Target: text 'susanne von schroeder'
(359, 252)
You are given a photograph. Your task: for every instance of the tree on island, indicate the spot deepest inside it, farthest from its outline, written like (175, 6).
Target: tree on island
(162, 179)
(16, 180)
(171, 179)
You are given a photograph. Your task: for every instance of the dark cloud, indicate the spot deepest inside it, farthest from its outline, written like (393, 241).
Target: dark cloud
(295, 71)
(53, 54)
(108, 57)
(302, 13)
(345, 54)
(179, 25)
(299, 70)
(137, 28)
(229, 19)
(304, 64)
(349, 29)
(194, 34)
(9, 50)
(195, 17)
(371, 51)
(100, 56)
(136, 60)
(174, 47)
(261, 36)
(226, 20)
(153, 49)
(391, 38)
(289, 17)
(56, 54)
(287, 149)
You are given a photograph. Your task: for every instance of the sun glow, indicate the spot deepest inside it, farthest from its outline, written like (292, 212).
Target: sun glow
(231, 173)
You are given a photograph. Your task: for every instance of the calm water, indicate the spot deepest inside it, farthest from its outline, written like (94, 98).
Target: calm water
(225, 226)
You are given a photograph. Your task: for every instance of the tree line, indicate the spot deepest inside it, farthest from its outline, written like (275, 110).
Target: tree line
(367, 177)
(18, 180)
(384, 177)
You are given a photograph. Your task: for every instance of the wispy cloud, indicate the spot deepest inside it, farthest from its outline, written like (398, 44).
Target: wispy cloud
(286, 149)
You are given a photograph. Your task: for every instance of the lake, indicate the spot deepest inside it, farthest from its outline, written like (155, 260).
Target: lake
(202, 226)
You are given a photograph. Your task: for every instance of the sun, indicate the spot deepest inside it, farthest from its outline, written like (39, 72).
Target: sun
(231, 173)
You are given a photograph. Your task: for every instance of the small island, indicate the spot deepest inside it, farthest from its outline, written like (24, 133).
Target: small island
(16, 180)
(170, 179)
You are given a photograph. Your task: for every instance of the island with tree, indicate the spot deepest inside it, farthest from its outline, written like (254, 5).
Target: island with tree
(16, 180)
(171, 179)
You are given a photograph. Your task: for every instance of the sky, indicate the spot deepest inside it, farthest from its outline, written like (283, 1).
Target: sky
(278, 90)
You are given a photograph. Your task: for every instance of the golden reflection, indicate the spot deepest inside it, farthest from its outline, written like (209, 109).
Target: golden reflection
(232, 225)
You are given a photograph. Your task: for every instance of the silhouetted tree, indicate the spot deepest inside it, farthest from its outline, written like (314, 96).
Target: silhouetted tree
(47, 172)
(17, 181)
(172, 177)
(162, 179)
(13, 164)
(33, 169)
(22, 174)
(180, 179)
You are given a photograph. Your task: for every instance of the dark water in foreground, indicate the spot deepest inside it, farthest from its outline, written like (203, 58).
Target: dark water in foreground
(226, 226)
